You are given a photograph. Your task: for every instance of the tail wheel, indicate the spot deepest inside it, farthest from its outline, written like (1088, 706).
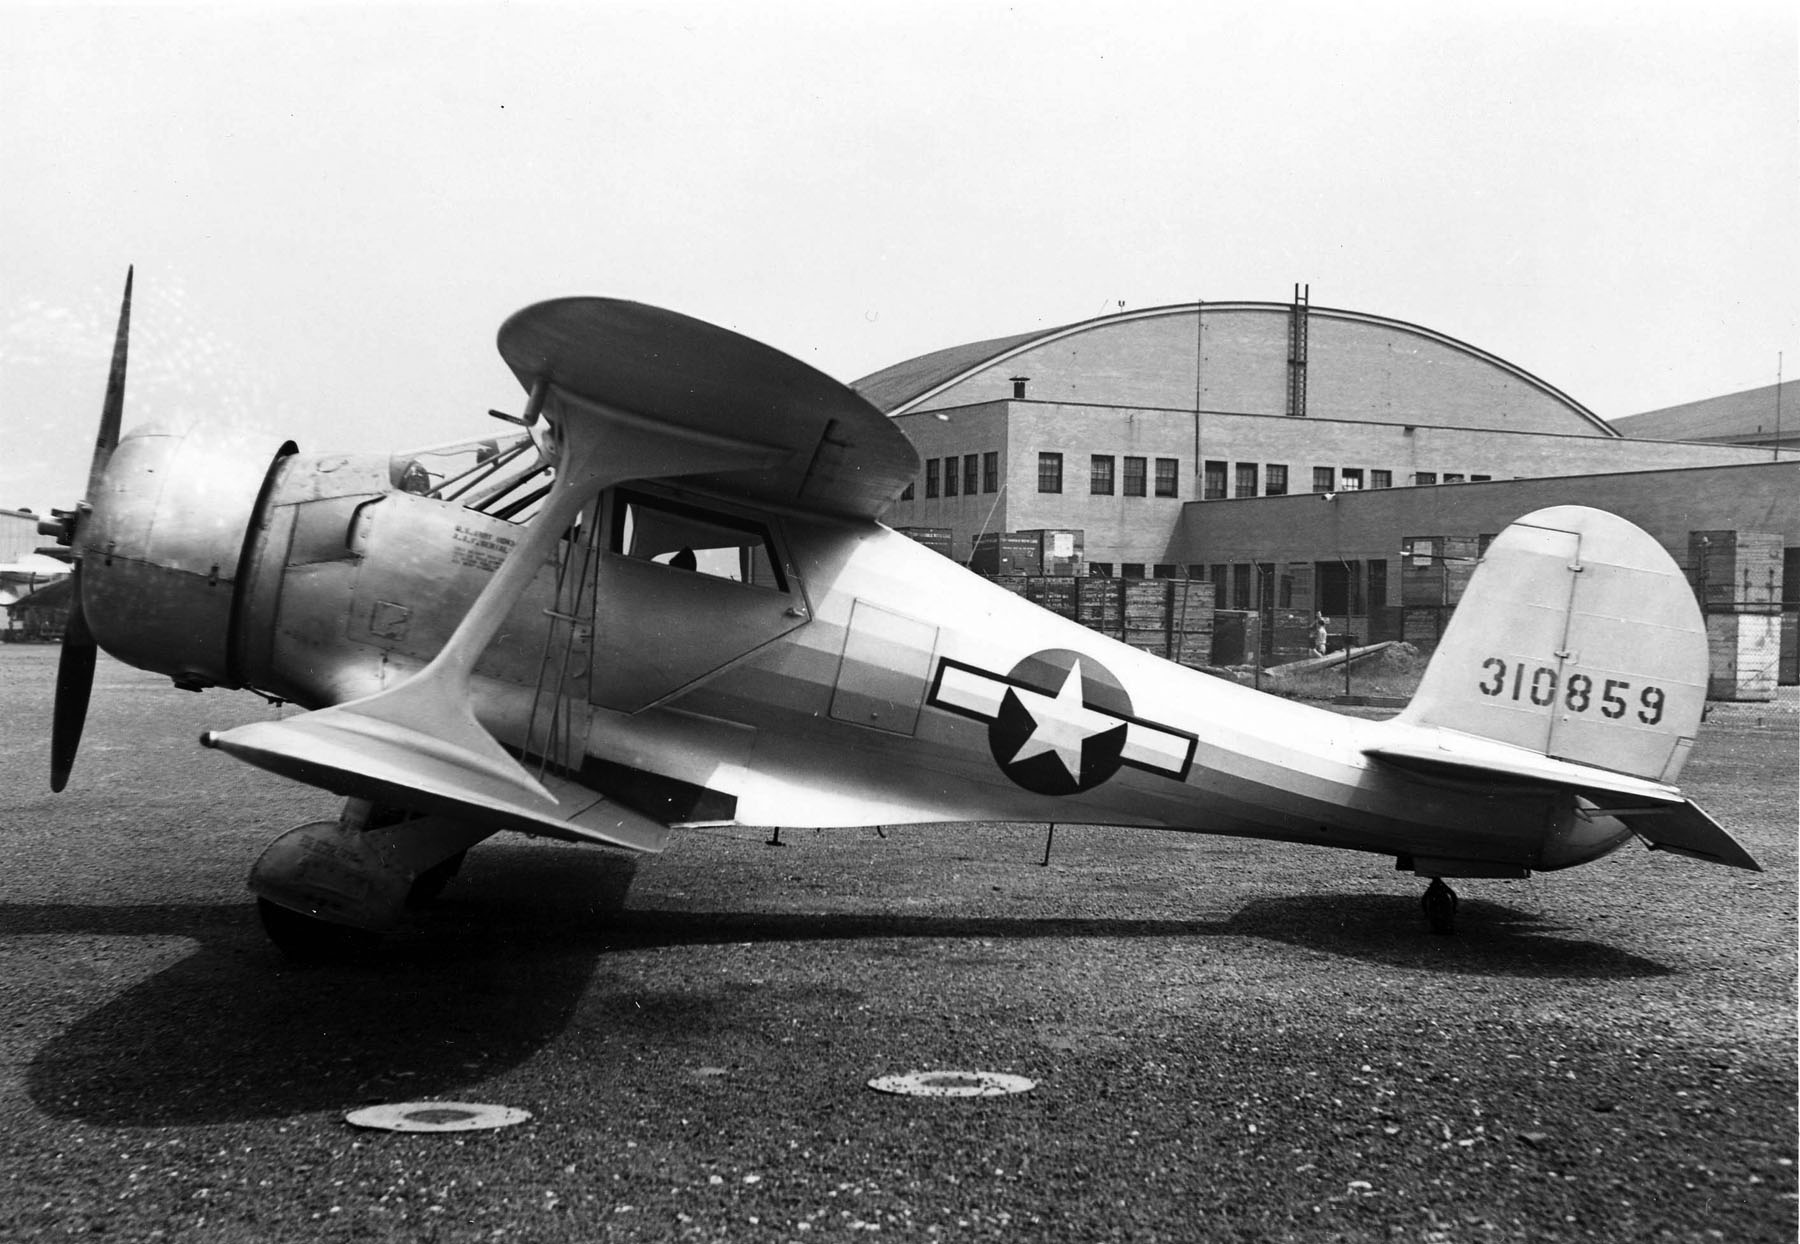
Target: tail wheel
(1440, 903)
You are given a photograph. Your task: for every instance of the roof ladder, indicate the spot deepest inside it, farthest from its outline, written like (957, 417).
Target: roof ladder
(1297, 333)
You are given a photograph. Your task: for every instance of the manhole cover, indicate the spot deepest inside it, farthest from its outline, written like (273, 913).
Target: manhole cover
(436, 1116)
(952, 1084)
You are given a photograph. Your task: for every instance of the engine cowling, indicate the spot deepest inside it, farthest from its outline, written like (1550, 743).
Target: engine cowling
(163, 549)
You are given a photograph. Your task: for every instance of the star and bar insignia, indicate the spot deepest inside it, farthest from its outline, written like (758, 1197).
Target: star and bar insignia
(1060, 723)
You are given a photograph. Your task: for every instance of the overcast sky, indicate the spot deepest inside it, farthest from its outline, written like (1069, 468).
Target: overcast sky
(333, 207)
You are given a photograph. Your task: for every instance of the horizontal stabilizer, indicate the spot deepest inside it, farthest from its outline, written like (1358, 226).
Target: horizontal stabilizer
(1465, 756)
(1658, 813)
(392, 764)
(1686, 830)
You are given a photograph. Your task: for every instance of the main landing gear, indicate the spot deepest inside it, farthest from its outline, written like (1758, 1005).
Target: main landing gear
(1439, 903)
(326, 891)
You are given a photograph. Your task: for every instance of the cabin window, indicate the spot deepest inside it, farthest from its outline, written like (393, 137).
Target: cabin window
(691, 538)
(501, 476)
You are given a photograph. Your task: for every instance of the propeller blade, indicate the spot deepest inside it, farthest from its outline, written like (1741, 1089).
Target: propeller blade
(74, 683)
(75, 667)
(111, 413)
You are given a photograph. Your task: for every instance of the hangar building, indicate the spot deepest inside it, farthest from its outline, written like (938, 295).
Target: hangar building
(1108, 426)
(1196, 441)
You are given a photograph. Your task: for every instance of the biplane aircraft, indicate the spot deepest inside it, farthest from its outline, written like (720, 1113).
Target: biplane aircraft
(662, 597)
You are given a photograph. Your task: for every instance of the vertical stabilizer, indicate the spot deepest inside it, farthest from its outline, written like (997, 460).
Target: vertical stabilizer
(1578, 638)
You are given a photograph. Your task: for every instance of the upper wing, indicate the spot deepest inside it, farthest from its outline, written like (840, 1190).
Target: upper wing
(838, 453)
(619, 391)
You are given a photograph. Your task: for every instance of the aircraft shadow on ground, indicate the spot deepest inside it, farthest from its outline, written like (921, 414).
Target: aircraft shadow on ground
(229, 1033)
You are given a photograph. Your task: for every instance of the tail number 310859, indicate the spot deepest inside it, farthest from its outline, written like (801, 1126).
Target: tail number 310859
(1580, 694)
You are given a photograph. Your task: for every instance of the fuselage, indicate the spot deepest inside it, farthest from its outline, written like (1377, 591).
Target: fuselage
(827, 672)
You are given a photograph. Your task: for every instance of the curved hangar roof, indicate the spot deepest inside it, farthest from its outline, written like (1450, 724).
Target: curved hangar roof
(1232, 357)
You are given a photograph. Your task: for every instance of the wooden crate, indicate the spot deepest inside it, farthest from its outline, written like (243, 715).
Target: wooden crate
(1147, 604)
(998, 553)
(1423, 627)
(937, 539)
(1099, 605)
(1156, 641)
(1736, 571)
(1055, 593)
(1193, 648)
(1235, 636)
(1744, 655)
(1191, 606)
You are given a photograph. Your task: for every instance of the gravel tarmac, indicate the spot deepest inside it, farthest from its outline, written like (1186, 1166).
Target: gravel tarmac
(1230, 1040)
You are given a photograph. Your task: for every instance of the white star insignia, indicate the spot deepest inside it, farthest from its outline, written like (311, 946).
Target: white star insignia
(1063, 723)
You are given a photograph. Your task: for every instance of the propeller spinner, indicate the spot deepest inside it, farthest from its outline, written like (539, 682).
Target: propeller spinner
(75, 670)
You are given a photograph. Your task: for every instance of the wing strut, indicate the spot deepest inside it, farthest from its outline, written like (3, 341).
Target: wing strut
(419, 744)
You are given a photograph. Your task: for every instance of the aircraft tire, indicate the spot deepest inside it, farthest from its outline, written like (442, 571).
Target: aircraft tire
(304, 939)
(429, 884)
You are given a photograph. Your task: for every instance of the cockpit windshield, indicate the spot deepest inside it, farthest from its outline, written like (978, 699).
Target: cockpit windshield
(504, 475)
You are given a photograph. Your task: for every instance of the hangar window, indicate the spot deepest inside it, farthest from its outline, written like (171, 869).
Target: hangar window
(1339, 588)
(1165, 570)
(1131, 570)
(1134, 477)
(1100, 475)
(1215, 574)
(1275, 480)
(1352, 479)
(990, 471)
(1381, 479)
(1168, 477)
(1214, 488)
(1425, 477)
(1100, 570)
(1453, 477)
(971, 474)
(1324, 479)
(1378, 581)
(950, 476)
(1049, 472)
(1480, 479)
(1240, 587)
(1246, 479)
(907, 495)
(931, 478)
